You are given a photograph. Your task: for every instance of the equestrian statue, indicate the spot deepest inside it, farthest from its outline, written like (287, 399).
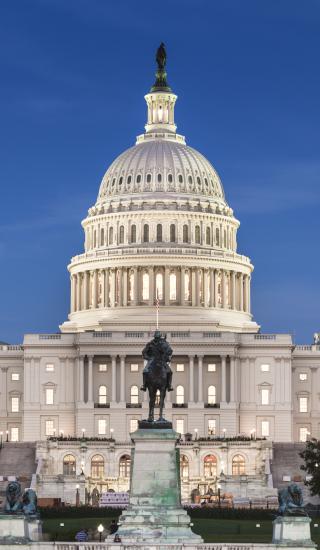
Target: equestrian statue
(157, 374)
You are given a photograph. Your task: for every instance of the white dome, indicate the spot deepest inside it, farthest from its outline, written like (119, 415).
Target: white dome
(161, 165)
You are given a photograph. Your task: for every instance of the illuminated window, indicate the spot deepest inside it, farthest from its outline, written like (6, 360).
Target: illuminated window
(145, 286)
(97, 467)
(238, 465)
(121, 234)
(212, 367)
(180, 426)
(210, 466)
(103, 368)
(69, 465)
(134, 395)
(145, 233)
(303, 376)
(184, 467)
(173, 286)
(49, 396)
(303, 404)
(133, 234)
(134, 367)
(15, 376)
(14, 434)
(212, 426)
(197, 234)
(186, 286)
(265, 396)
(159, 233)
(102, 426)
(49, 367)
(265, 428)
(303, 434)
(180, 367)
(172, 233)
(49, 427)
(212, 395)
(180, 395)
(103, 395)
(185, 234)
(133, 425)
(124, 466)
(265, 368)
(159, 286)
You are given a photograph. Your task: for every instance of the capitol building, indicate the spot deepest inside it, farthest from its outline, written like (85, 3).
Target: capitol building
(161, 238)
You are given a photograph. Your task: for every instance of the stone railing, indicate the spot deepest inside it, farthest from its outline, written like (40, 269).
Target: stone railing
(7, 347)
(153, 546)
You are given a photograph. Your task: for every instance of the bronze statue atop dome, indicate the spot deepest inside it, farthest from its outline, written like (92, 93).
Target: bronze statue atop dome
(161, 84)
(161, 56)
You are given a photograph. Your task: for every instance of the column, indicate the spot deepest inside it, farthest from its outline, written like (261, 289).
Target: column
(94, 289)
(233, 290)
(191, 378)
(245, 296)
(106, 288)
(120, 289)
(200, 378)
(197, 287)
(211, 282)
(249, 293)
(73, 293)
(135, 287)
(85, 290)
(182, 286)
(90, 378)
(223, 289)
(166, 286)
(193, 286)
(113, 287)
(206, 287)
(78, 291)
(223, 379)
(241, 292)
(151, 286)
(114, 378)
(81, 378)
(122, 379)
(125, 287)
(216, 288)
(232, 379)
(101, 278)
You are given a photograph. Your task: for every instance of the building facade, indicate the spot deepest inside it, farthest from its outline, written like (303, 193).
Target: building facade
(161, 230)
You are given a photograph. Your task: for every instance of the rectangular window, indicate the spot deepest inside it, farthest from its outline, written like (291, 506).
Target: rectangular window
(303, 376)
(14, 436)
(180, 426)
(265, 368)
(103, 368)
(15, 376)
(212, 367)
(180, 367)
(212, 426)
(15, 404)
(133, 425)
(265, 428)
(303, 404)
(49, 367)
(49, 396)
(265, 397)
(102, 426)
(49, 427)
(134, 367)
(303, 434)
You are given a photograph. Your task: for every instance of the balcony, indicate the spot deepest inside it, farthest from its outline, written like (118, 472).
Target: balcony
(212, 405)
(102, 405)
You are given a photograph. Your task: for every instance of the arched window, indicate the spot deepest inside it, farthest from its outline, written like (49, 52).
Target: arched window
(187, 286)
(97, 467)
(128, 180)
(159, 232)
(148, 178)
(208, 236)
(159, 178)
(69, 465)
(173, 286)
(133, 234)
(199, 182)
(184, 467)
(180, 395)
(172, 233)
(124, 466)
(101, 236)
(145, 233)
(185, 234)
(217, 236)
(170, 178)
(190, 180)
(197, 234)
(238, 465)
(159, 286)
(138, 178)
(212, 395)
(134, 395)
(121, 234)
(210, 466)
(145, 286)
(120, 181)
(103, 395)
(180, 178)
(111, 235)
(131, 286)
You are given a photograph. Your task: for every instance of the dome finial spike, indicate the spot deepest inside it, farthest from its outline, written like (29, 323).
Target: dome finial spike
(161, 83)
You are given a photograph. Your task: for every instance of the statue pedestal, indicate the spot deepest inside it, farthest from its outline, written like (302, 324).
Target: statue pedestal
(155, 513)
(19, 529)
(292, 531)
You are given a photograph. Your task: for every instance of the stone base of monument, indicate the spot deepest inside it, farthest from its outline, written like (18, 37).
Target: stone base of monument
(18, 529)
(155, 512)
(292, 531)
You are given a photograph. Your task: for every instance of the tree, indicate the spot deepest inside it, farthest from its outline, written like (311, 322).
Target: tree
(311, 457)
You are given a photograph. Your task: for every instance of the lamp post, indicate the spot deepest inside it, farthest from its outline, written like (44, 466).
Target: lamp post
(100, 531)
(1, 435)
(61, 433)
(111, 433)
(219, 495)
(196, 433)
(77, 495)
(224, 432)
(83, 432)
(7, 436)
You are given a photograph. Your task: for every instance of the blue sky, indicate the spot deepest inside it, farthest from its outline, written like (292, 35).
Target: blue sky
(73, 76)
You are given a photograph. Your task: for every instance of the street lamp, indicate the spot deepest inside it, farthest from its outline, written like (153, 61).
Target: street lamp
(196, 433)
(7, 436)
(1, 434)
(219, 495)
(77, 495)
(224, 433)
(83, 432)
(111, 433)
(61, 433)
(100, 531)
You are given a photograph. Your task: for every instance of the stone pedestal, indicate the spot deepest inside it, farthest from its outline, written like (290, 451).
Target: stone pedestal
(19, 529)
(155, 513)
(292, 531)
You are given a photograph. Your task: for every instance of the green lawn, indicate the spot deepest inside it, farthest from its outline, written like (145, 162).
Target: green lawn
(212, 530)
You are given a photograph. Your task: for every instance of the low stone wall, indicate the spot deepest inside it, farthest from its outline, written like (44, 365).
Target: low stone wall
(137, 546)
